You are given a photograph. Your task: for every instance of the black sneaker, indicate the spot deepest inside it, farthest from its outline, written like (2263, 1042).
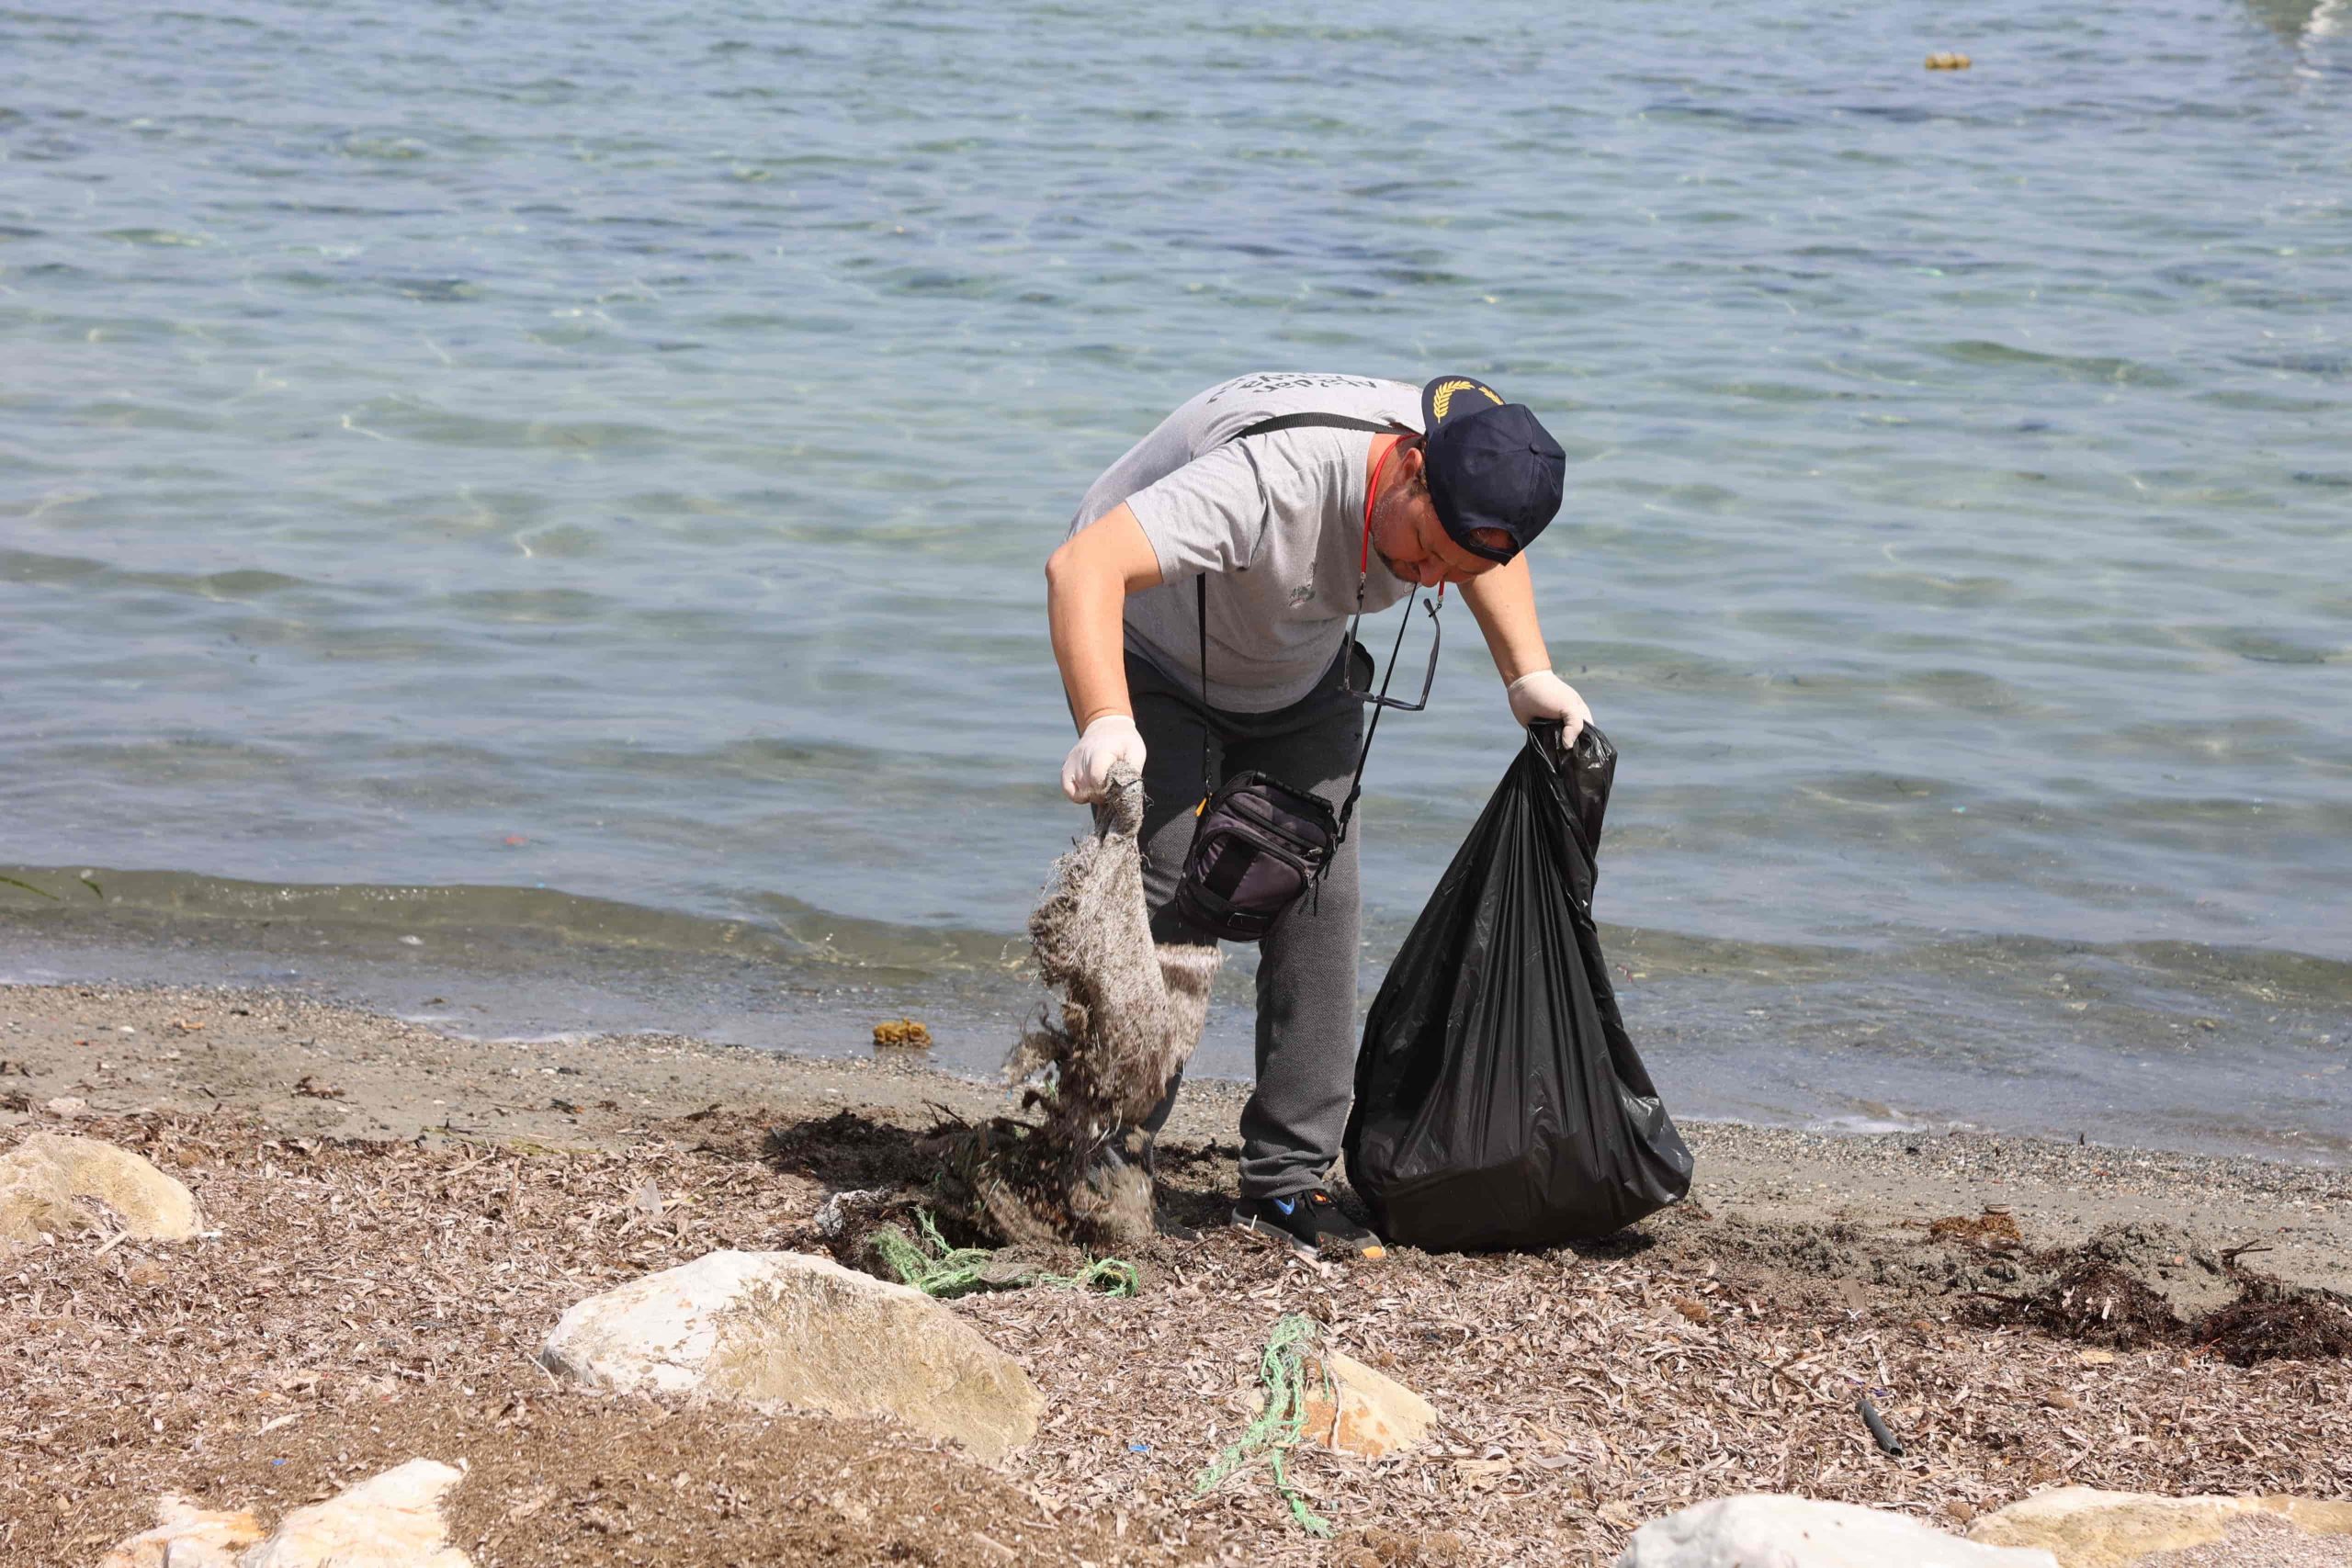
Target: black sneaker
(1312, 1224)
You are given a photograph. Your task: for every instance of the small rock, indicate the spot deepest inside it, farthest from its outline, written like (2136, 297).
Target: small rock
(185, 1537)
(2087, 1527)
(1763, 1531)
(791, 1328)
(833, 1217)
(57, 1184)
(393, 1520)
(66, 1107)
(1373, 1415)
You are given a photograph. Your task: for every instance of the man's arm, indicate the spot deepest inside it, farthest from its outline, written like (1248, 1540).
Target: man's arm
(1087, 584)
(1503, 600)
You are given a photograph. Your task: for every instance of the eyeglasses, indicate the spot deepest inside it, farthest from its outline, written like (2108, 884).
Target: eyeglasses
(1381, 699)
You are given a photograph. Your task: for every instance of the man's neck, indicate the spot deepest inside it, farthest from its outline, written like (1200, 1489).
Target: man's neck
(1381, 447)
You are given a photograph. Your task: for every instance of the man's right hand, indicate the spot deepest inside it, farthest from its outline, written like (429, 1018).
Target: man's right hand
(1112, 744)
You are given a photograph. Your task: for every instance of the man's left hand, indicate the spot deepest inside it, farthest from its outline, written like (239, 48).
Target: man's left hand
(1539, 695)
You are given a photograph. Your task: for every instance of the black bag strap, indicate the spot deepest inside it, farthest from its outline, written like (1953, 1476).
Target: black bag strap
(1201, 615)
(1201, 599)
(1327, 421)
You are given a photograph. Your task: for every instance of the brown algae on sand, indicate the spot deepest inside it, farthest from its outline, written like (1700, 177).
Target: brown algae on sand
(1995, 1227)
(2105, 1293)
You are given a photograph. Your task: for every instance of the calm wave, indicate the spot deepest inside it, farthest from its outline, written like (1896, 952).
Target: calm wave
(545, 452)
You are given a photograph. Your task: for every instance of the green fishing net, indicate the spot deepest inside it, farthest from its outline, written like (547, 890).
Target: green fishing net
(1284, 1368)
(930, 1266)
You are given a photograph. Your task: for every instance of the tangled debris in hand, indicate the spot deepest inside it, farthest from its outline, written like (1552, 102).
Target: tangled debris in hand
(1129, 1015)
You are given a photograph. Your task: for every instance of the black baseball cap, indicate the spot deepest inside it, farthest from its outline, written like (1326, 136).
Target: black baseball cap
(1490, 465)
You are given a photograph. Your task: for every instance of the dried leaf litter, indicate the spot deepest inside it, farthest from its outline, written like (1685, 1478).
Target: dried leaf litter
(388, 1298)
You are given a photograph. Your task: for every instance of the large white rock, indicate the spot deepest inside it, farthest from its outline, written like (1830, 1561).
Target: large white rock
(2086, 1527)
(1764, 1530)
(58, 1184)
(788, 1328)
(391, 1520)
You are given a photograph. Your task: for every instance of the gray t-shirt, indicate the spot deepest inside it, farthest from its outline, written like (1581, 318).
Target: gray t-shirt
(1280, 540)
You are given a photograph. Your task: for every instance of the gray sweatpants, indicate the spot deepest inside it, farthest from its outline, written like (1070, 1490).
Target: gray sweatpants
(1306, 969)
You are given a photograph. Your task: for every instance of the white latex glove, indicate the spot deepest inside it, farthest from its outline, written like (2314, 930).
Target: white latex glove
(1112, 744)
(1539, 695)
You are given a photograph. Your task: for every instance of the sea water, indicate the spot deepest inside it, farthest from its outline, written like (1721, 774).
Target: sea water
(532, 512)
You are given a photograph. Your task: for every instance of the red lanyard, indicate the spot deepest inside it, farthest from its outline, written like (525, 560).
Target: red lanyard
(1363, 566)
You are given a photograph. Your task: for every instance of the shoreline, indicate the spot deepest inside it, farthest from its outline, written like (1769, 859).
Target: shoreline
(181, 1050)
(2203, 1050)
(397, 1219)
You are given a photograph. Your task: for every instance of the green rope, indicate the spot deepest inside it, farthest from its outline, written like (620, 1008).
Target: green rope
(935, 1268)
(1281, 1422)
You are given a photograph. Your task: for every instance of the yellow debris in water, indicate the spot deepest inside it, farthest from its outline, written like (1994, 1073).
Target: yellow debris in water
(1943, 59)
(901, 1031)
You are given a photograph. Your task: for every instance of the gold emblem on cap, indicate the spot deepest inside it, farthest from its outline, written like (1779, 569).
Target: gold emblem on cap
(1442, 398)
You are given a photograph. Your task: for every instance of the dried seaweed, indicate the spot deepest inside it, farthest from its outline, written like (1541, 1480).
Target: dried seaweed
(1994, 1229)
(2272, 1321)
(2095, 1302)
(388, 1299)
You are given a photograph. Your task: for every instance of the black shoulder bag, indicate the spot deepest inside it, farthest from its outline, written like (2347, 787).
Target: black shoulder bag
(1257, 844)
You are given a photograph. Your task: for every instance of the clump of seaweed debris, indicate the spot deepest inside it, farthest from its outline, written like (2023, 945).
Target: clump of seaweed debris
(2273, 1321)
(2095, 1298)
(1127, 1017)
(2097, 1303)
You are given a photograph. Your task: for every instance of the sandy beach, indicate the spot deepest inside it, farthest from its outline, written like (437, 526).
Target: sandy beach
(397, 1218)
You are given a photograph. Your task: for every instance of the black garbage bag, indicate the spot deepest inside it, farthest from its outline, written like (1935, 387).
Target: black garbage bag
(1498, 1102)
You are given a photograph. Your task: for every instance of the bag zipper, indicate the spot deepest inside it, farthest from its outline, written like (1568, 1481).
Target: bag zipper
(1260, 817)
